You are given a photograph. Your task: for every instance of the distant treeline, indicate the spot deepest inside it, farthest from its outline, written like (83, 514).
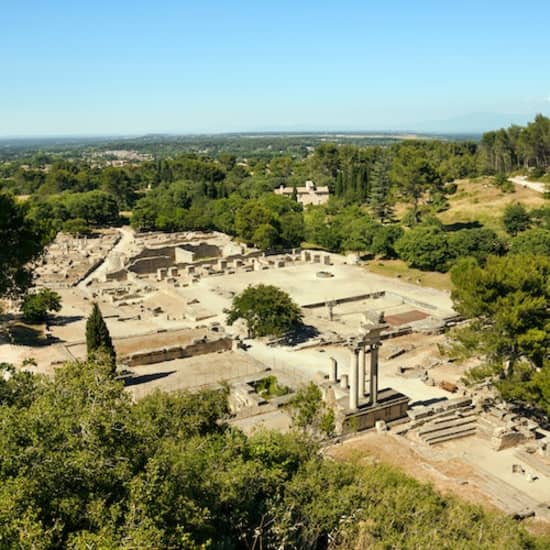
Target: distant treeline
(234, 194)
(516, 147)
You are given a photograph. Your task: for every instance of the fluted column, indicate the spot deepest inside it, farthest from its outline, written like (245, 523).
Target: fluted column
(353, 379)
(373, 394)
(362, 370)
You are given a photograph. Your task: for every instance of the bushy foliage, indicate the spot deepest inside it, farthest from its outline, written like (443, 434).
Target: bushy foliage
(532, 241)
(478, 243)
(515, 218)
(310, 413)
(507, 301)
(424, 247)
(82, 466)
(510, 296)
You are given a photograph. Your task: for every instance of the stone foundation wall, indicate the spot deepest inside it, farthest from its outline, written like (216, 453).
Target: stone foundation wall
(363, 420)
(148, 265)
(169, 251)
(201, 347)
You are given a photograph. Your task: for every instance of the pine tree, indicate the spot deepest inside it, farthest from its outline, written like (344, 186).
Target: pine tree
(380, 190)
(98, 339)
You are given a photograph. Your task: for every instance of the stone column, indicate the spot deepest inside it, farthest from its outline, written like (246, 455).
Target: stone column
(333, 373)
(353, 378)
(344, 381)
(373, 395)
(362, 370)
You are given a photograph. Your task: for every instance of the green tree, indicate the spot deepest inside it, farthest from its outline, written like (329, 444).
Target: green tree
(98, 340)
(267, 310)
(507, 301)
(515, 218)
(265, 237)
(21, 242)
(76, 227)
(36, 306)
(83, 466)
(292, 229)
(424, 247)
(118, 183)
(250, 217)
(414, 174)
(478, 242)
(532, 241)
(384, 239)
(310, 413)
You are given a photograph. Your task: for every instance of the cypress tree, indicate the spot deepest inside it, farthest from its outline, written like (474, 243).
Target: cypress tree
(98, 339)
(380, 190)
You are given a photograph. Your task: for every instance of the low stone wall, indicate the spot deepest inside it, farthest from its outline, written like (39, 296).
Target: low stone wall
(370, 296)
(412, 301)
(200, 347)
(149, 265)
(120, 275)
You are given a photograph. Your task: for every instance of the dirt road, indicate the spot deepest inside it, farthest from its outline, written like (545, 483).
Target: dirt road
(537, 186)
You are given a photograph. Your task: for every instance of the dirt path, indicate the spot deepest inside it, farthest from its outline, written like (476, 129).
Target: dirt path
(448, 476)
(537, 186)
(123, 246)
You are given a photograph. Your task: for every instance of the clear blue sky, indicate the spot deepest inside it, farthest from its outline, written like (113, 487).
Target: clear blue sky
(127, 67)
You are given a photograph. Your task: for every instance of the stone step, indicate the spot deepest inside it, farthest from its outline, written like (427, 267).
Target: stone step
(443, 416)
(434, 436)
(456, 415)
(456, 423)
(450, 437)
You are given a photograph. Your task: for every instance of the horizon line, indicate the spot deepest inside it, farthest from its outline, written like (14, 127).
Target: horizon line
(133, 135)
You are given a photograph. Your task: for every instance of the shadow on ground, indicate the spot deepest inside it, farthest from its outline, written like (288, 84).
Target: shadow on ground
(462, 225)
(428, 402)
(21, 334)
(300, 335)
(62, 320)
(142, 379)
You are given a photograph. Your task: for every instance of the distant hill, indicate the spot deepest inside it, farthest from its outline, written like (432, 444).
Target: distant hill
(472, 123)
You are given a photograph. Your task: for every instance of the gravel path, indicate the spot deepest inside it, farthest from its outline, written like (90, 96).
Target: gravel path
(537, 186)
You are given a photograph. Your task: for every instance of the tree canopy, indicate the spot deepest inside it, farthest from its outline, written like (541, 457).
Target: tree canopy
(82, 466)
(508, 300)
(37, 305)
(21, 242)
(267, 310)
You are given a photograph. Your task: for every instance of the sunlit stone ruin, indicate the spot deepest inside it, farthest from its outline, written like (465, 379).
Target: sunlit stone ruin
(374, 346)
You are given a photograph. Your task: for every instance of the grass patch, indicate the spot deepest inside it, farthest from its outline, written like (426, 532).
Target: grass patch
(269, 387)
(398, 269)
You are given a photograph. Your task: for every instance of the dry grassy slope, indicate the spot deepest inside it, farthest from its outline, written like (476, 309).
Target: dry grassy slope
(475, 200)
(478, 200)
